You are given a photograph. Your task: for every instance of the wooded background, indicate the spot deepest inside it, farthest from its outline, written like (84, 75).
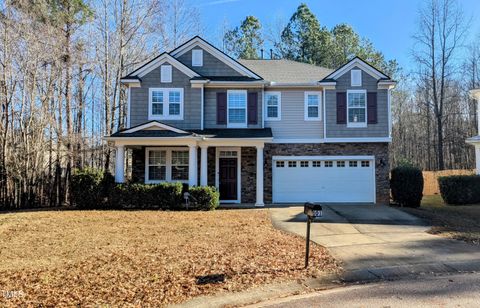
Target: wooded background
(61, 61)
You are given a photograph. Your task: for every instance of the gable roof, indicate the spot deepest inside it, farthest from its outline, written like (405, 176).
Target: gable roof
(286, 71)
(153, 124)
(198, 41)
(359, 62)
(156, 62)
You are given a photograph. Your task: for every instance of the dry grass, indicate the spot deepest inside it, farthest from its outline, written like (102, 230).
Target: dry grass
(430, 179)
(452, 221)
(144, 258)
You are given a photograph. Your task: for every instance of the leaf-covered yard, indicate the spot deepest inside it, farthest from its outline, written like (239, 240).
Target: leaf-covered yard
(144, 257)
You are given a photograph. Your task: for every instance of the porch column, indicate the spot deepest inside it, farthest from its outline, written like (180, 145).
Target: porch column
(192, 165)
(259, 201)
(119, 164)
(204, 165)
(477, 158)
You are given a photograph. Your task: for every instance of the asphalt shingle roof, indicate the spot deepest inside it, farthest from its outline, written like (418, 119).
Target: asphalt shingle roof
(286, 71)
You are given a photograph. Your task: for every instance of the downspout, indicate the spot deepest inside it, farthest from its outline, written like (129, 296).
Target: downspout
(324, 114)
(201, 107)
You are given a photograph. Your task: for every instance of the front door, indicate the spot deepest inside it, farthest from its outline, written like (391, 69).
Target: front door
(228, 178)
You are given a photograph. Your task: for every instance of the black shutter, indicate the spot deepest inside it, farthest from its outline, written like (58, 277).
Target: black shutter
(221, 108)
(372, 107)
(252, 103)
(341, 107)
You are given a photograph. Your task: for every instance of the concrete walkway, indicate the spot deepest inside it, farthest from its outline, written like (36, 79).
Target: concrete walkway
(379, 242)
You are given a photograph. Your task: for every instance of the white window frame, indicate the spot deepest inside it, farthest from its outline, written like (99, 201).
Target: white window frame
(168, 165)
(305, 98)
(166, 73)
(197, 57)
(352, 73)
(357, 124)
(166, 103)
(237, 125)
(279, 105)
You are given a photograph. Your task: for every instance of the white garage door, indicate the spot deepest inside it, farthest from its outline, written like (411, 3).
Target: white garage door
(323, 179)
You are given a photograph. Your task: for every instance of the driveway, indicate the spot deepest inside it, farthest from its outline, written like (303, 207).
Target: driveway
(379, 241)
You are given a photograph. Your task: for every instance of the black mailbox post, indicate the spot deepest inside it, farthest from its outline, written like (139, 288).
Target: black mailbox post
(312, 211)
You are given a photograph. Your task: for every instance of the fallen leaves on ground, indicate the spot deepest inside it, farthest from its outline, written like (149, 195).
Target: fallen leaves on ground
(145, 257)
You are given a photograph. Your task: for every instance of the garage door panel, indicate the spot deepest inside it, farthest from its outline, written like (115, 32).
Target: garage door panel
(323, 184)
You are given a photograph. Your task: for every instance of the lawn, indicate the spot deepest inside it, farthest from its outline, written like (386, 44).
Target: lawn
(452, 221)
(154, 258)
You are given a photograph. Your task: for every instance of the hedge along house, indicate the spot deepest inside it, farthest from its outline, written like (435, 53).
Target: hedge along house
(475, 141)
(261, 131)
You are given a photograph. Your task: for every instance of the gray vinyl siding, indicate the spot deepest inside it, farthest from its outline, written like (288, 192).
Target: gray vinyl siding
(211, 107)
(212, 66)
(191, 99)
(369, 83)
(292, 124)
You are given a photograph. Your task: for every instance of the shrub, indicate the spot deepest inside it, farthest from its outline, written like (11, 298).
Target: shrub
(146, 196)
(87, 190)
(204, 198)
(407, 186)
(460, 189)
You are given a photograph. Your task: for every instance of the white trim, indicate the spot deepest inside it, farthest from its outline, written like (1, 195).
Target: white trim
(275, 84)
(202, 107)
(325, 157)
(239, 169)
(389, 106)
(168, 164)
(305, 105)
(142, 71)
(235, 84)
(324, 110)
(197, 57)
(165, 73)
(357, 124)
(279, 105)
(359, 140)
(154, 124)
(132, 83)
(128, 106)
(197, 41)
(166, 103)
(360, 64)
(356, 73)
(313, 140)
(237, 125)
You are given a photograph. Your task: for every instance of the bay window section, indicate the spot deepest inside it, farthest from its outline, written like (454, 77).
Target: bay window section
(357, 108)
(237, 108)
(273, 105)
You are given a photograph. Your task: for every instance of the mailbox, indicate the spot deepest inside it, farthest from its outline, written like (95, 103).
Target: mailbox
(312, 210)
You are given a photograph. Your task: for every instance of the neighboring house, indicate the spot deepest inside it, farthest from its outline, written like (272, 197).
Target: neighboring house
(273, 131)
(475, 141)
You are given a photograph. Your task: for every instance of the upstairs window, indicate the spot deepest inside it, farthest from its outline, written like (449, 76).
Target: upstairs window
(237, 108)
(357, 108)
(273, 105)
(166, 73)
(197, 57)
(165, 104)
(312, 106)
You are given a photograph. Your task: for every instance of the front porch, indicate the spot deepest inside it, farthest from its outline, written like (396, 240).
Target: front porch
(235, 166)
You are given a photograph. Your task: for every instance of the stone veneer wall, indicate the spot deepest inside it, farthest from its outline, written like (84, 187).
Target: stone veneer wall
(379, 150)
(248, 167)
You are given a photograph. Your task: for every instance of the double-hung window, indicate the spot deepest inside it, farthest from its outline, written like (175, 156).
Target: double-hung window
(312, 106)
(357, 108)
(156, 165)
(273, 105)
(165, 104)
(237, 108)
(166, 165)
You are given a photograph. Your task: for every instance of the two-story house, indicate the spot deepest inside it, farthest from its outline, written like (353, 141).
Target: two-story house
(273, 131)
